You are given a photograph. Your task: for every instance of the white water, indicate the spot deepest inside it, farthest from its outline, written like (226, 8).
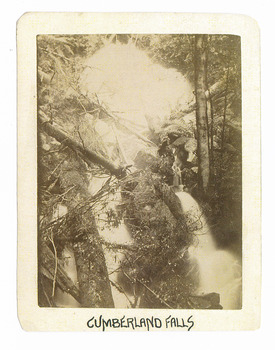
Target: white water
(219, 270)
(67, 260)
(113, 235)
(114, 259)
(63, 299)
(131, 85)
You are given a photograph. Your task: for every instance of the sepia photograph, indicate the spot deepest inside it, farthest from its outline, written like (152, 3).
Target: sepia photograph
(139, 171)
(139, 207)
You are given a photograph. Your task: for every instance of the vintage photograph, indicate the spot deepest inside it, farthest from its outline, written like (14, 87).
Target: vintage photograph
(139, 171)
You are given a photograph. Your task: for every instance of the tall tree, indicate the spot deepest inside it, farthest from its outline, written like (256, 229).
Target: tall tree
(201, 113)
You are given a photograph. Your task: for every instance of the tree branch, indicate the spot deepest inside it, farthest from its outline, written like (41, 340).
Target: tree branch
(86, 154)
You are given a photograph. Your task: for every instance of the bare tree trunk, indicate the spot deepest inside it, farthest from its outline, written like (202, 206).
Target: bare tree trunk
(224, 112)
(211, 146)
(201, 113)
(93, 278)
(210, 124)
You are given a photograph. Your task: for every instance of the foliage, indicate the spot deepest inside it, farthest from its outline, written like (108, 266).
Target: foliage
(224, 118)
(159, 258)
(160, 242)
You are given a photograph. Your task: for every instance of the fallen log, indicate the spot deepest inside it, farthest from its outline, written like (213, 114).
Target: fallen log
(85, 153)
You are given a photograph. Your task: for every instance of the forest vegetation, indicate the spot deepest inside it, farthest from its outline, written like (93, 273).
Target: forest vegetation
(89, 180)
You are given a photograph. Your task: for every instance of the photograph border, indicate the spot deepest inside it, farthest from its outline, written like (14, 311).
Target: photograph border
(31, 24)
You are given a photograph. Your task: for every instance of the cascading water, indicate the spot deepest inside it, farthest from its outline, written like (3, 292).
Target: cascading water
(219, 270)
(63, 299)
(134, 86)
(119, 235)
(114, 259)
(67, 260)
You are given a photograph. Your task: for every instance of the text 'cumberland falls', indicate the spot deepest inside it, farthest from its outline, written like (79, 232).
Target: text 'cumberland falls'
(134, 323)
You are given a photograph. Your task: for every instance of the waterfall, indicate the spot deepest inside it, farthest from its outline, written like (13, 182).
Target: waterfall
(119, 235)
(114, 259)
(63, 299)
(219, 270)
(67, 260)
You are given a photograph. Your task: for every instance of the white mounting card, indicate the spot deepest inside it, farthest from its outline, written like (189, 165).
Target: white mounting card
(138, 172)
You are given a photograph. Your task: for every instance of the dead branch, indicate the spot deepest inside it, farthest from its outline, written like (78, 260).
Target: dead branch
(116, 246)
(89, 155)
(55, 265)
(149, 289)
(121, 290)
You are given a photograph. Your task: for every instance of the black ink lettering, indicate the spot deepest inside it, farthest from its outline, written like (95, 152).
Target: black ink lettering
(98, 325)
(149, 322)
(106, 324)
(142, 322)
(116, 323)
(122, 321)
(173, 322)
(192, 323)
(136, 325)
(167, 321)
(89, 323)
(158, 323)
(130, 321)
(180, 325)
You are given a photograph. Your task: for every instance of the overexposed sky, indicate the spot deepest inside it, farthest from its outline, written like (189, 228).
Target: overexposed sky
(130, 84)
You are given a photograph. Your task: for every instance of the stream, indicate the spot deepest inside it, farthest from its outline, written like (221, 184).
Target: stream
(134, 86)
(220, 271)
